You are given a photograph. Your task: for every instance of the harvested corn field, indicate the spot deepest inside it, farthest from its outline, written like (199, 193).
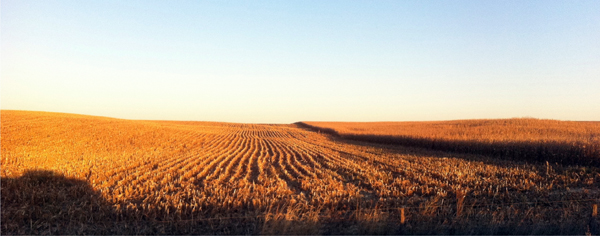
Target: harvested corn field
(563, 142)
(75, 174)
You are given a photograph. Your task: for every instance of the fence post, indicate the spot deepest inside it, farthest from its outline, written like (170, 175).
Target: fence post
(593, 228)
(402, 217)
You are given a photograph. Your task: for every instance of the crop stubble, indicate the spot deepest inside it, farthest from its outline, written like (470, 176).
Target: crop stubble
(167, 171)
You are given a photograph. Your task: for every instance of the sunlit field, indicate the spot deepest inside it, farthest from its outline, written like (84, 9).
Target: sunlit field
(564, 142)
(77, 174)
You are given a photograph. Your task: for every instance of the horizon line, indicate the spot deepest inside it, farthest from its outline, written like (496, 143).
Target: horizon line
(386, 121)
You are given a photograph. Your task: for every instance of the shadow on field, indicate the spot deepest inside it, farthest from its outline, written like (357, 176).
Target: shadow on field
(586, 154)
(43, 202)
(46, 202)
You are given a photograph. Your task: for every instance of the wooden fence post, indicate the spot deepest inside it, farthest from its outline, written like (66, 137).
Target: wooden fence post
(593, 228)
(402, 217)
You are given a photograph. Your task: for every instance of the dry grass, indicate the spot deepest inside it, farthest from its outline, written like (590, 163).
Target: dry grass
(73, 174)
(517, 129)
(564, 142)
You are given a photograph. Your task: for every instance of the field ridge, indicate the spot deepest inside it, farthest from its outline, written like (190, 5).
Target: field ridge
(580, 151)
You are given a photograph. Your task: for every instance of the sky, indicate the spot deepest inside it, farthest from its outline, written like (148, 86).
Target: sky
(287, 61)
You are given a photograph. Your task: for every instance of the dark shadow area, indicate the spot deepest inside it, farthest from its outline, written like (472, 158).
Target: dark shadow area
(43, 202)
(586, 154)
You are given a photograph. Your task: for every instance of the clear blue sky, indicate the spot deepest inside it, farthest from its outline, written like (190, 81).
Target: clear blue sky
(286, 61)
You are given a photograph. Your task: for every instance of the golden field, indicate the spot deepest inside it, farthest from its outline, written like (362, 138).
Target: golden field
(516, 129)
(76, 174)
(563, 142)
